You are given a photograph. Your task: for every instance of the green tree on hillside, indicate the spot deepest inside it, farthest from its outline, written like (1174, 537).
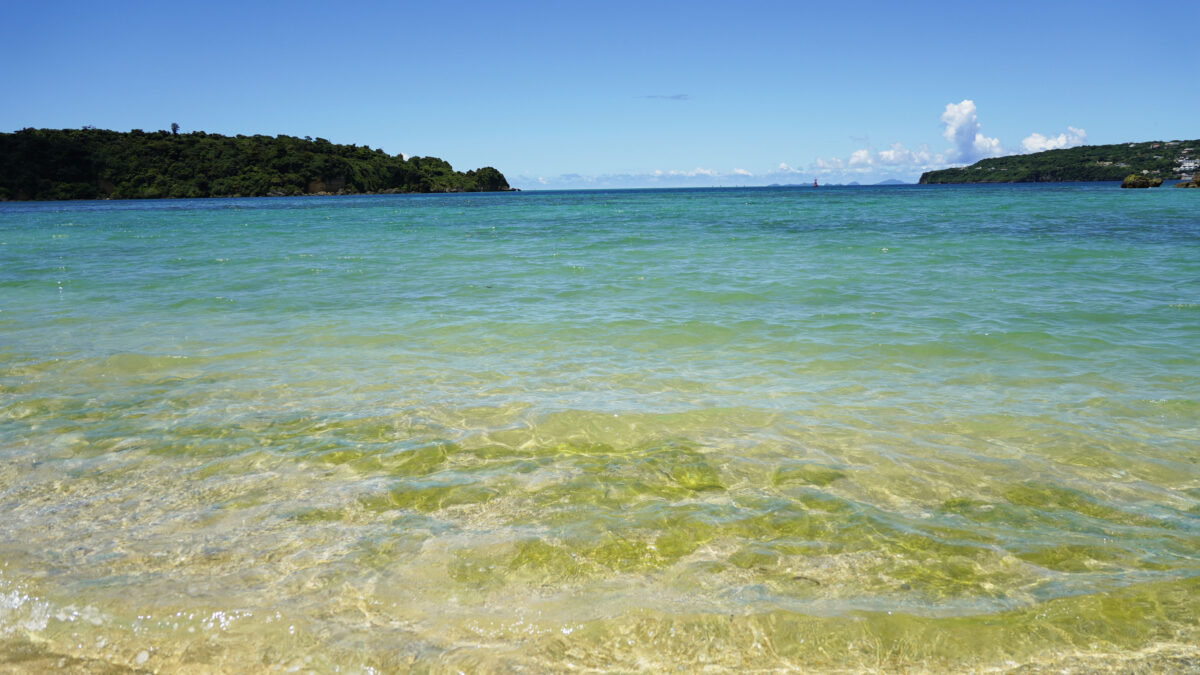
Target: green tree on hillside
(1084, 163)
(96, 163)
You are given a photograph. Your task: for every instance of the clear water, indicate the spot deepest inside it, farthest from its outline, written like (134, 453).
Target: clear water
(899, 428)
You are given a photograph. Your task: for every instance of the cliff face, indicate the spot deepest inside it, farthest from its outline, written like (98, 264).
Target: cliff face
(85, 163)
(328, 185)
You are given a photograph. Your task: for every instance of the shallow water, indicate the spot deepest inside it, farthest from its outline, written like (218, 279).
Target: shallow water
(858, 428)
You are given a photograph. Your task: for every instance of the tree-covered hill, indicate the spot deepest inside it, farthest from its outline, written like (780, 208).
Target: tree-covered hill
(1160, 159)
(95, 164)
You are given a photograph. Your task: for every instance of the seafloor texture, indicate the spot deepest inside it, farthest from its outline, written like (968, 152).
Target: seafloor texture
(836, 429)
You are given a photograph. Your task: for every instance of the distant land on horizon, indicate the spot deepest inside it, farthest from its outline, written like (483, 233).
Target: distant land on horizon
(88, 163)
(1156, 159)
(890, 181)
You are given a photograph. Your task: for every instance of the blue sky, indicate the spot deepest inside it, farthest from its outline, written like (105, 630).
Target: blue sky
(616, 94)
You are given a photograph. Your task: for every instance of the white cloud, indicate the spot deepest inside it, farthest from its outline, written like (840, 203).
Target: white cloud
(860, 159)
(898, 155)
(968, 144)
(897, 159)
(962, 129)
(698, 171)
(1071, 138)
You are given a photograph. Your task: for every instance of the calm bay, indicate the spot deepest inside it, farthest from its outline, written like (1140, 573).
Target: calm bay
(903, 427)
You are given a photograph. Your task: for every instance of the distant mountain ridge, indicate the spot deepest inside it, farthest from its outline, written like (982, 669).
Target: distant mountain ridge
(1160, 159)
(51, 164)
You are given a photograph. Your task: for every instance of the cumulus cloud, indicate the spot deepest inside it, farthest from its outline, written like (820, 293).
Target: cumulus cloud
(898, 155)
(896, 159)
(860, 158)
(967, 145)
(690, 174)
(1036, 142)
(963, 130)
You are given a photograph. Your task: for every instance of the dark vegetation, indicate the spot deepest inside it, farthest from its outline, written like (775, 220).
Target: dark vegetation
(88, 163)
(1137, 180)
(1159, 159)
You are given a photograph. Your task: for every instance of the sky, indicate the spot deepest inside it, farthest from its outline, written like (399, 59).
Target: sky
(564, 95)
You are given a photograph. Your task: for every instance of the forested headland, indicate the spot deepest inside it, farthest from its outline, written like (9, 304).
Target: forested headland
(1156, 159)
(49, 164)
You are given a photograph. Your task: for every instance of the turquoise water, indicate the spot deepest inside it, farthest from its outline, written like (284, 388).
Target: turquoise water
(856, 428)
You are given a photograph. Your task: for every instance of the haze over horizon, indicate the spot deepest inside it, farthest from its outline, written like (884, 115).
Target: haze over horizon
(620, 95)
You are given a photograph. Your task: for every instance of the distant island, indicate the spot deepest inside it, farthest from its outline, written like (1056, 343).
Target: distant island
(53, 164)
(1154, 159)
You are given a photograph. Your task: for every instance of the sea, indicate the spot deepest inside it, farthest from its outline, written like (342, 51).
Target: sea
(852, 429)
